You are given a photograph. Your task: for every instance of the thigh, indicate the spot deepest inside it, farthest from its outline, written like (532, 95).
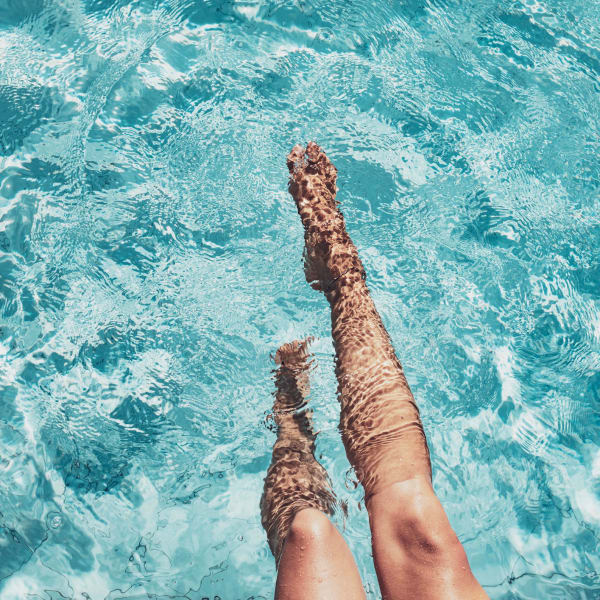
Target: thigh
(316, 562)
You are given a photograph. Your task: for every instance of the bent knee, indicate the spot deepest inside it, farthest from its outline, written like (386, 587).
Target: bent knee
(409, 517)
(310, 527)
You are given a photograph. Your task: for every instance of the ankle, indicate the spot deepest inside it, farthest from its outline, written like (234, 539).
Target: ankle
(349, 282)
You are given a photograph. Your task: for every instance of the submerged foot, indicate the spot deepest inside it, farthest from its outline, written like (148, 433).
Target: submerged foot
(291, 378)
(295, 480)
(329, 252)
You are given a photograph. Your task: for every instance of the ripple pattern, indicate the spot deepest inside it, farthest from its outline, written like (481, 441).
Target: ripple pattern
(150, 263)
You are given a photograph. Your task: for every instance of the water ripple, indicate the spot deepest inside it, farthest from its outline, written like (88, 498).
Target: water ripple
(150, 263)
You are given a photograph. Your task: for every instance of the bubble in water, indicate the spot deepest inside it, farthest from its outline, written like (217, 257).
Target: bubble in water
(54, 520)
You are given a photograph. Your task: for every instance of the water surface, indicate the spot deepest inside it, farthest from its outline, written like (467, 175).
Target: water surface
(150, 265)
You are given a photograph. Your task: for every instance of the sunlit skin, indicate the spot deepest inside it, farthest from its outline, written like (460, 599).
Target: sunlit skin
(417, 555)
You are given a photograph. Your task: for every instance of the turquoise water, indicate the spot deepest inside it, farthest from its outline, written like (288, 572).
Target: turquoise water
(150, 264)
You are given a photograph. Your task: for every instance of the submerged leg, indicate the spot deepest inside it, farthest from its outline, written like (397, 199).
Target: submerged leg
(313, 559)
(416, 552)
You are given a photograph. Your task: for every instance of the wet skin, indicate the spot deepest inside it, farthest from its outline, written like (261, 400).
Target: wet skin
(417, 554)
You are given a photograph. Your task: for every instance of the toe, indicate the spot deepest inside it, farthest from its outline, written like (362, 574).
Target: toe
(295, 159)
(293, 353)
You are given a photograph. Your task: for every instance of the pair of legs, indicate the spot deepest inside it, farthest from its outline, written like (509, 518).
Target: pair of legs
(417, 554)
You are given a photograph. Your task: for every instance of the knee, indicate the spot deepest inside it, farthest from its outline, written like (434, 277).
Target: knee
(409, 517)
(310, 527)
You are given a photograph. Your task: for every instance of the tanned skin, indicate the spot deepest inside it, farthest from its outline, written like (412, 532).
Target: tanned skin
(416, 552)
(312, 557)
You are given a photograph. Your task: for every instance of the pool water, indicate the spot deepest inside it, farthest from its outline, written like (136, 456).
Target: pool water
(150, 264)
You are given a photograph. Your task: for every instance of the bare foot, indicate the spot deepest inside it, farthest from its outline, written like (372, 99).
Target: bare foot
(329, 252)
(291, 377)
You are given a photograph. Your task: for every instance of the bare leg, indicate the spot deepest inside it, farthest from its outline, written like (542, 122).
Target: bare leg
(416, 552)
(313, 558)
